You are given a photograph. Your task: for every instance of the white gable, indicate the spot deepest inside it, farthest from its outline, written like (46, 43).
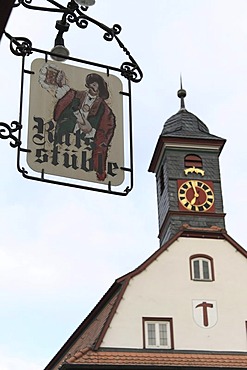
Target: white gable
(165, 290)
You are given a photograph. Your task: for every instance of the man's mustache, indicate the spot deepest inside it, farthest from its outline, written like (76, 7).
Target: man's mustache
(95, 89)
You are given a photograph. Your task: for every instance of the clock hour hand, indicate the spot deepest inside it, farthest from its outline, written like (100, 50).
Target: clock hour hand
(193, 201)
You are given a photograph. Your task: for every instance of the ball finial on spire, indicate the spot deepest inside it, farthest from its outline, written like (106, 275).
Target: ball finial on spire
(181, 94)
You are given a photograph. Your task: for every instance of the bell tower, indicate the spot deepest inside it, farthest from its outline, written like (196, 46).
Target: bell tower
(186, 164)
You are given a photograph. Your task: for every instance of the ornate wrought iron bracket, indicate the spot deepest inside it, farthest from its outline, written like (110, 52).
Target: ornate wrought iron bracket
(75, 14)
(19, 46)
(6, 132)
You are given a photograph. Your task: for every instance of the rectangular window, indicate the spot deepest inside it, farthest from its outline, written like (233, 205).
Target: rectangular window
(161, 180)
(157, 333)
(163, 334)
(151, 334)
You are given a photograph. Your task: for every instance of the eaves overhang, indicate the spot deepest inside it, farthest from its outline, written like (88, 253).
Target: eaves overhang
(214, 232)
(186, 231)
(142, 367)
(113, 290)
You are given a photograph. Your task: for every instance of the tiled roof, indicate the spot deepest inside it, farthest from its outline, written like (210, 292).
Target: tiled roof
(91, 334)
(144, 357)
(184, 128)
(88, 333)
(185, 124)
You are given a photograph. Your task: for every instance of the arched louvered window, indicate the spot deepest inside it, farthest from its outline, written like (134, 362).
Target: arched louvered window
(192, 160)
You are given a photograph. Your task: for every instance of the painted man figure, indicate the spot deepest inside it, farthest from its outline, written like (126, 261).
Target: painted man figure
(86, 111)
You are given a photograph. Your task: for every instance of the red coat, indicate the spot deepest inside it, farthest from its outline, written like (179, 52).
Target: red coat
(104, 123)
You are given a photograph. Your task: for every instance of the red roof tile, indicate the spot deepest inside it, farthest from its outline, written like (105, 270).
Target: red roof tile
(160, 359)
(87, 334)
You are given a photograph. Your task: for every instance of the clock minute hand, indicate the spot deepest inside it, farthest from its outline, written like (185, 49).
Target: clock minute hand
(196, 195)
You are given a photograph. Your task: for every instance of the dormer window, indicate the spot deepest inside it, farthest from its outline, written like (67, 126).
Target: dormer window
(192, 160)
(201, 267)
(158, 333)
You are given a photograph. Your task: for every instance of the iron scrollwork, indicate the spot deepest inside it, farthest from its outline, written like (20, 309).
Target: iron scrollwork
(20, 46)
(6, 132)
(74, 13)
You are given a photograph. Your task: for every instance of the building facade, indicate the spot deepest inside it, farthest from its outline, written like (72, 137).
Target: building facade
(185, 307)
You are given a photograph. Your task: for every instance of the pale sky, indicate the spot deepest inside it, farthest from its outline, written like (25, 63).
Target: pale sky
(62, 248)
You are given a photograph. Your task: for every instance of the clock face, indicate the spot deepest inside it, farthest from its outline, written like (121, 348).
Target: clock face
(195, 195)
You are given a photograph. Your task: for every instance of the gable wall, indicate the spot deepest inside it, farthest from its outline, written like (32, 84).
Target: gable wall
(165, 289)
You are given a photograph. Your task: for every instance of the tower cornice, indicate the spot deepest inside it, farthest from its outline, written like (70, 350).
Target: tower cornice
(182, 142)
(191, 230)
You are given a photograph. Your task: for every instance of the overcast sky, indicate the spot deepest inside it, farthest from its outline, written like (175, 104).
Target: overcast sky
(62, 248)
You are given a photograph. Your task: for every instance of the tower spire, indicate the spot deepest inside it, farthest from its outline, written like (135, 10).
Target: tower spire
(181, 94)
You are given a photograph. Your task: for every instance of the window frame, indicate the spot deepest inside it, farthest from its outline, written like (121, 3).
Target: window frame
(201, 258)
(191, 160)
(157, 321)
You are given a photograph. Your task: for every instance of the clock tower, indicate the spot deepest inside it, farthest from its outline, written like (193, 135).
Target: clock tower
(186, 164)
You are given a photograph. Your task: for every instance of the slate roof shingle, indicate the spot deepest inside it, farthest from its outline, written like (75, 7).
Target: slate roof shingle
(186, 124)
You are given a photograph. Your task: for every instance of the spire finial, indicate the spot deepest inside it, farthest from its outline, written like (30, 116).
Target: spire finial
(181, 94)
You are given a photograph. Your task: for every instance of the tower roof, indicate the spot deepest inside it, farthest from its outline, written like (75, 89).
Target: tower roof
(186, 124)
(184, 127)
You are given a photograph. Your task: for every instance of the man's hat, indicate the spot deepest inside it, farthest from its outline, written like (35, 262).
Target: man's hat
(103, 89)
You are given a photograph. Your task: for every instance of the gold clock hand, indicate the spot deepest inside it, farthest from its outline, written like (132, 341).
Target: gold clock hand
(196, 195)
(193, 201)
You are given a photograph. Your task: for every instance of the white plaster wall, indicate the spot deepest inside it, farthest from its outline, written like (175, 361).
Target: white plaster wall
(164, 289)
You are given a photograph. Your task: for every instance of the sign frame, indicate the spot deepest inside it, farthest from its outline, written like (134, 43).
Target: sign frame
(127, 185)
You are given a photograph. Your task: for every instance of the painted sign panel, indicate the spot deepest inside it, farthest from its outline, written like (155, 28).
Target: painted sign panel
(204, 312)
(75, 125)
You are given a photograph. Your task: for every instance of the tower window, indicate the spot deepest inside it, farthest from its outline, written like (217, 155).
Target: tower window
(158, 333)
(201, 267)
(193, 160)
(161, 180)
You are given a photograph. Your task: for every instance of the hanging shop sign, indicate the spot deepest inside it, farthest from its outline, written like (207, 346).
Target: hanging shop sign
(75, 125)
(78, 135)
